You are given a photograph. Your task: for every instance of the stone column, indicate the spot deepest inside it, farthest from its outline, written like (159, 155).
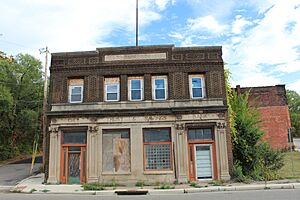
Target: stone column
(222, 150)
(181, 153)
(92, 154)
(54, 155)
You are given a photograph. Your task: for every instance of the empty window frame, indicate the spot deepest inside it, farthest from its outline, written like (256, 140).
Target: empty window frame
(157, 149)
(112, 89)
(160, 87)
(197, 85)
(116, 151)
(135, 85)
(75, 90)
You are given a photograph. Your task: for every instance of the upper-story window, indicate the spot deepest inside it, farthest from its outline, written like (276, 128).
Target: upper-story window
(159, 85)
(135, 85)
(197, 86)
(75, 90)
(112, 89)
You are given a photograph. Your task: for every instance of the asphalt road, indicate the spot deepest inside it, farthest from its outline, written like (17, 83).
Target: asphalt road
(11, 174)
(291, 194)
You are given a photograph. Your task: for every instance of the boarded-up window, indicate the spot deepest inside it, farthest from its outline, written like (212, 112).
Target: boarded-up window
(116, 151)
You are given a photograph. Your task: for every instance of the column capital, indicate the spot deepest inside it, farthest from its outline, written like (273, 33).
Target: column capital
(93, 130)
(221, 125)
(53, 131)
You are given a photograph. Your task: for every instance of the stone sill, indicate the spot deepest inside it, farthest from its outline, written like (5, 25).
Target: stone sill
(127, 105)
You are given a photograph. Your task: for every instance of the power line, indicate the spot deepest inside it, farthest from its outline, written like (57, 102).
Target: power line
(20, 45)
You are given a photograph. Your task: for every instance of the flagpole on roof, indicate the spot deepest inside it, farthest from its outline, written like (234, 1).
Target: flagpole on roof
(137, 24)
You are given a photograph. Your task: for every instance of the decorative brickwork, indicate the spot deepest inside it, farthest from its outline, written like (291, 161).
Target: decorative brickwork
(175, 65)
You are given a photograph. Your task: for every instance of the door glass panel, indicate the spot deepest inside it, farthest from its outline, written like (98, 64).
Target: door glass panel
(203, 162)
(74, 168)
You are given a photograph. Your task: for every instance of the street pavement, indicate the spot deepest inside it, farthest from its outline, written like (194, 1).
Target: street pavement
(297, 144)
(11, 174)
(284, 194)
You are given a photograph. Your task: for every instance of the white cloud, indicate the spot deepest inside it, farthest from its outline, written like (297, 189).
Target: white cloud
(239, 24)
(207, 23)
(162, 3)
(294, 86)
(267, 47)
(290, 67)
(72, 25)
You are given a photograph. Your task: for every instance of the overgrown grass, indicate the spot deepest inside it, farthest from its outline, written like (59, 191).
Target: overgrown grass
(286, 170)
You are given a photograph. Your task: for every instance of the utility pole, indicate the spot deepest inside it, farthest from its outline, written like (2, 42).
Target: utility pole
(137, 24)
(44, 121)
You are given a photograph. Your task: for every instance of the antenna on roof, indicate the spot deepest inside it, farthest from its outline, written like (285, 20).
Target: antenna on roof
(137, 24)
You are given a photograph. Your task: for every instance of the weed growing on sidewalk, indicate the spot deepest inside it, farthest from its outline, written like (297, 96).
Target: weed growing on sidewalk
(32, 190)
(44, 190)
(93, 186)
(195, 185)
(165, 186)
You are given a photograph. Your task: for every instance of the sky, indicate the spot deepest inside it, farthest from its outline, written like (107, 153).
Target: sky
(260, 38)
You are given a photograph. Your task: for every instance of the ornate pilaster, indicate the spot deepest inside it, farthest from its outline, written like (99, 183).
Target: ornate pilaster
(92, 153)
(223, 153)
(181, 151)
(54, 155)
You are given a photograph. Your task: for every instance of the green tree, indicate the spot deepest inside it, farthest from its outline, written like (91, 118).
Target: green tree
(294, 108)
(252, 157)
(20, 102)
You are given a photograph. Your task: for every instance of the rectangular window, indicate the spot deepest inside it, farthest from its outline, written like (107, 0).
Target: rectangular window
(196, 86)
(200, 134)
(135, 88)
(74, 138)
(157, 149)
(116, 151)
(159, 85)
(112, 89)
(75, 90)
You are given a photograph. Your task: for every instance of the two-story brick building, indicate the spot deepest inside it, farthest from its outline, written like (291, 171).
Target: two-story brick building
(148, 113)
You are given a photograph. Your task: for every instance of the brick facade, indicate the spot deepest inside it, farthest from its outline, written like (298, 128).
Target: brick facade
(271, 102)
(178, 112)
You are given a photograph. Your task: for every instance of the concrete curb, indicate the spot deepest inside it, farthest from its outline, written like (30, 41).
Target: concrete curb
(6, 188)
(165, 191)
(158, 191)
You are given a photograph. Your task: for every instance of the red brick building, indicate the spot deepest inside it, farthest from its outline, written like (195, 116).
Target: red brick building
(271, 101)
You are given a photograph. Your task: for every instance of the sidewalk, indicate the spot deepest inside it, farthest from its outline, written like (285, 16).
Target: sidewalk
(34, 184)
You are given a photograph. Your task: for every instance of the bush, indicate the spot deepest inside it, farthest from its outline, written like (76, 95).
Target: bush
(7, 152)
(271, 161)
(237, 173)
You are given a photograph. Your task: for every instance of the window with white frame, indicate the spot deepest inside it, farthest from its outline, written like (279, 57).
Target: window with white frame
(197, 86)
(75, 90)
(112, 89)
(159, 85)
(135, 85)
